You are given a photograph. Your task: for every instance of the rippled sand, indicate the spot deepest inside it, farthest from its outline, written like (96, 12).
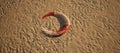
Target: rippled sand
(95, 26)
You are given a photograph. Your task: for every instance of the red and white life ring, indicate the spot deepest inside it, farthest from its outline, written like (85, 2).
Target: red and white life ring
(63, 19)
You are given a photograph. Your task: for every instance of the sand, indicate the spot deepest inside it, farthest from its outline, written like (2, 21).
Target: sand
(95, 26)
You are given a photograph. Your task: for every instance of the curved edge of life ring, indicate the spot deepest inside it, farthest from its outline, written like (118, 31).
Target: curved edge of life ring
(64, 28)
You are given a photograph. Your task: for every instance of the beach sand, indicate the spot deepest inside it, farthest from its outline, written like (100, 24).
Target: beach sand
(95, 26)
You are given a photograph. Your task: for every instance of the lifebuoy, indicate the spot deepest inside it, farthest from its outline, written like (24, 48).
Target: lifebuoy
(64, 21)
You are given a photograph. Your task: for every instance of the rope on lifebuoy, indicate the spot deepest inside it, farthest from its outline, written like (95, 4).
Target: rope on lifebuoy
(63, 19)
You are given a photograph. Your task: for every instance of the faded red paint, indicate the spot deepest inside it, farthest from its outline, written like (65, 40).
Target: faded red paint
(48, 14)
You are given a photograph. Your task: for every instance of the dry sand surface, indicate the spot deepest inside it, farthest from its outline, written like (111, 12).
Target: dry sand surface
(95, 26)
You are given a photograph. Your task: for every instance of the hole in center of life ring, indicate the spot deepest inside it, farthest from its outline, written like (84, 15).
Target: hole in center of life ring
(51, 23)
